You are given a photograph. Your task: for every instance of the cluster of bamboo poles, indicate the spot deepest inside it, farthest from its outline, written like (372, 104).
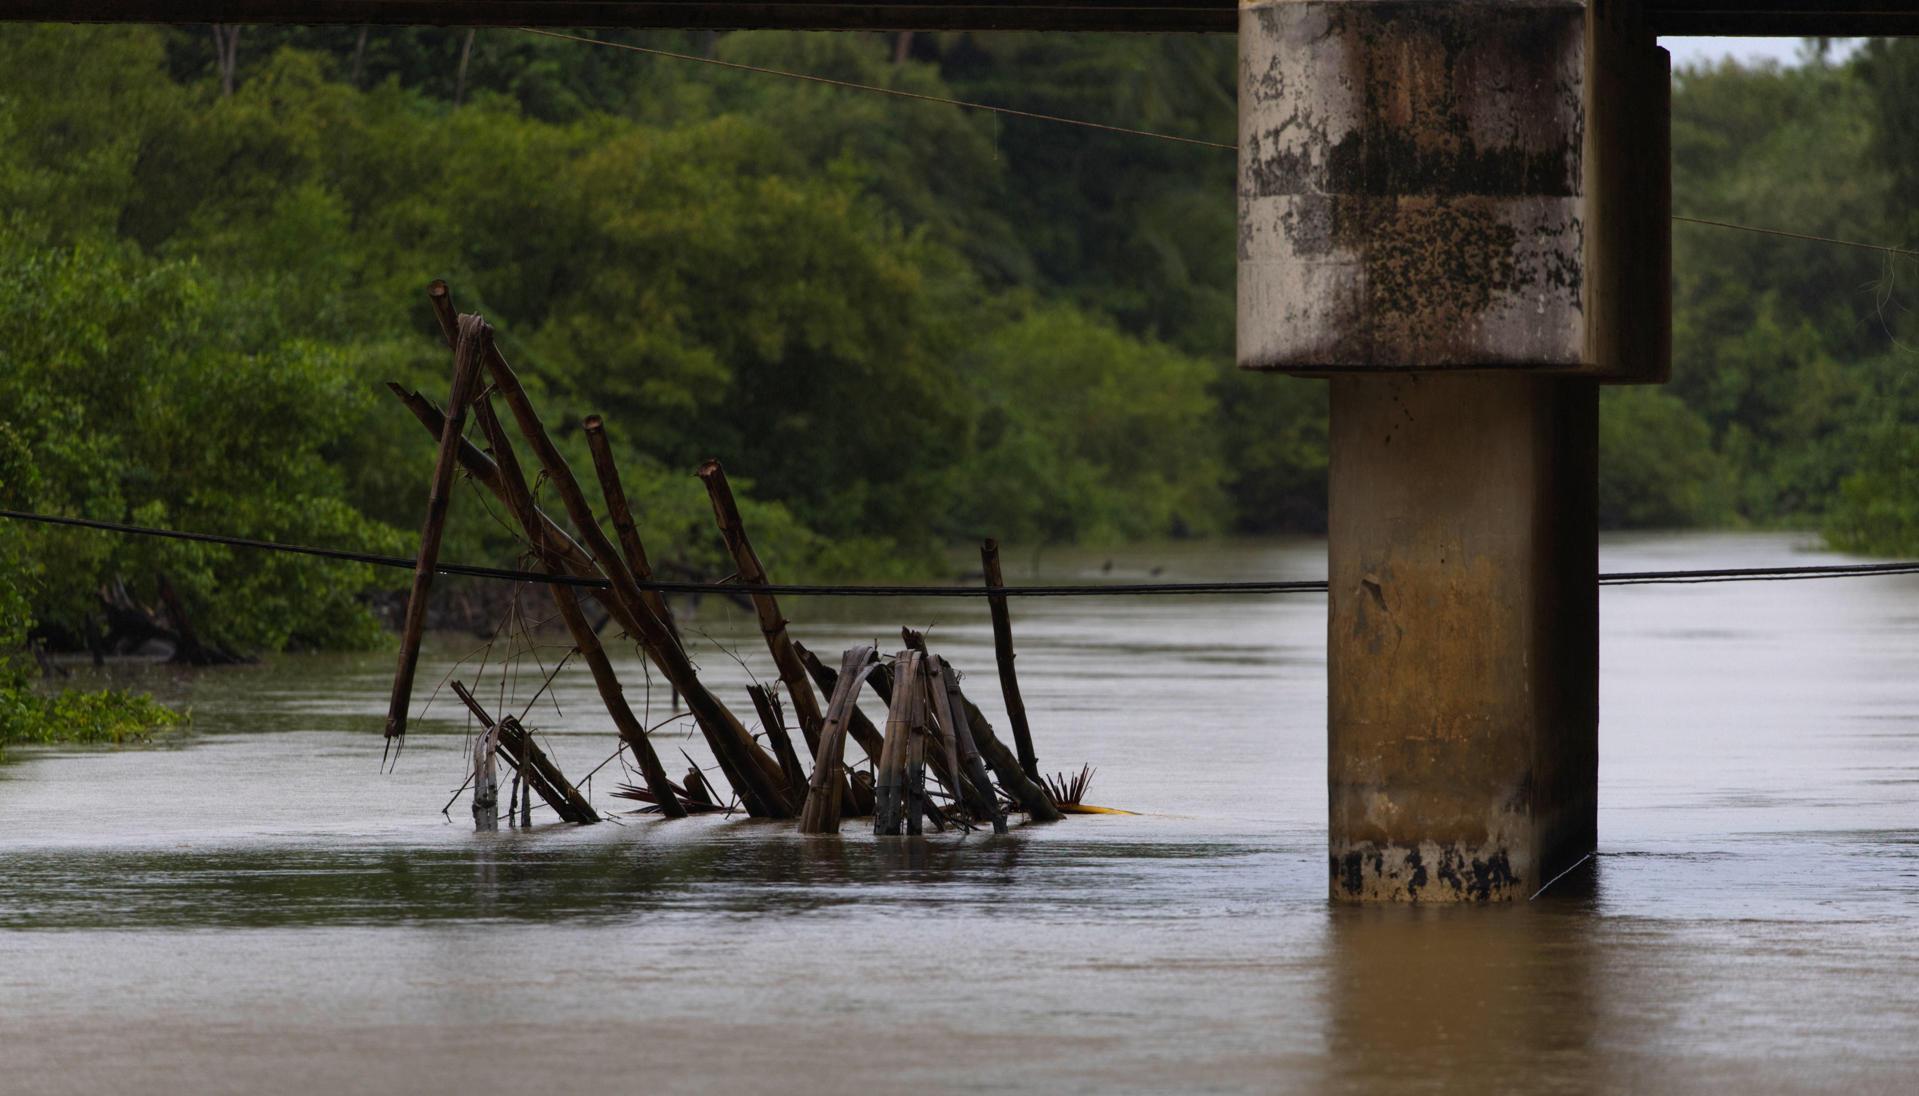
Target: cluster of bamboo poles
(930, 723)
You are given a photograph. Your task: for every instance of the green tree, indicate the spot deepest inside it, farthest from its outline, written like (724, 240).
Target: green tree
(1085, 434)
(136, 399)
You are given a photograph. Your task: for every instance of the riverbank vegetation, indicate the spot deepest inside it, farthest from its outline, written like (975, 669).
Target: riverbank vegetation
(899, 323)
(82, 716)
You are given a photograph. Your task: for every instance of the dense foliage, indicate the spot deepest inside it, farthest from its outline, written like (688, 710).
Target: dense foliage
(900, 324)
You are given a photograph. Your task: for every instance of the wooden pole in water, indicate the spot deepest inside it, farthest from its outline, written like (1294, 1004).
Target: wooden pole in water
(513, 799)
(1026, 792)
(466, 367)
(953, 709)
(753, 772)
(862, 730)
(936, 707)
(756, 774)
(526, 767)
(486, 788)
(772, 625)
(1003, 654)
(536, 768)
(858, 726)
(624, 527)
(949, 721)
(768, 705)
(823, 807)
(902, 715)
(481, 467)
(632, 732)
(882, 679)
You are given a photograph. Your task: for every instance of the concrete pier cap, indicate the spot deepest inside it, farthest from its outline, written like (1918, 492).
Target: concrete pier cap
(1457, 211)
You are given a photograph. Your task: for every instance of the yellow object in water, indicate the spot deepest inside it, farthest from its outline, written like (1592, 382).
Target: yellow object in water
(1087, 808)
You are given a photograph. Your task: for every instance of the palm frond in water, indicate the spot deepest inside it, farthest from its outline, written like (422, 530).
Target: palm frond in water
(1068, 791)
(645, 795)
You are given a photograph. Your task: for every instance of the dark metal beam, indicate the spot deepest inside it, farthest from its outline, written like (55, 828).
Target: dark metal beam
(1065, 15)
(1784, 18)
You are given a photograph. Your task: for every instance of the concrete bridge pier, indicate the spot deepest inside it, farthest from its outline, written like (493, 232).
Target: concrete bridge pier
(1462, 634)
(1456, 210)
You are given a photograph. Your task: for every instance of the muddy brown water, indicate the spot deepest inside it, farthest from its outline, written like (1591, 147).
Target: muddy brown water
(252, 907)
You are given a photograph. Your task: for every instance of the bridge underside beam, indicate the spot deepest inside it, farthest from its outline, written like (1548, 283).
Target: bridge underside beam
(1787, 18)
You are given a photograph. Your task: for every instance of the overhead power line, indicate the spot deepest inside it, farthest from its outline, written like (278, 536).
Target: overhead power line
(1119, 589)
(1807, 236)
(878, 90)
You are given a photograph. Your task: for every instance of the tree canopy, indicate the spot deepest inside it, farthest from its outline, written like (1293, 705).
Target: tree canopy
(899, 323)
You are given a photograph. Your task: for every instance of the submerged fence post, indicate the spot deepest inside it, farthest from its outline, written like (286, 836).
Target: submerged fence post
(823, 809)
(537, 771)
(902, 715)
(486, 786)
(1028, 793)
(1003, 654)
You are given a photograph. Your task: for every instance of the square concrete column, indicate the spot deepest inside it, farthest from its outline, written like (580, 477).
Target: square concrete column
(1462, 635)
(1456, 210)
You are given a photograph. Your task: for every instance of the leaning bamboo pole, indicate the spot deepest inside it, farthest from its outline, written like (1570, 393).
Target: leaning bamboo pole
(985, 803)
(621, 514)
(1003, 654)
(483, 469)
(772, 625)
(631, 730)
(466, 369)
(759, 781)
(746, 561)
(761, 785)
(943, 722)
(774, 724)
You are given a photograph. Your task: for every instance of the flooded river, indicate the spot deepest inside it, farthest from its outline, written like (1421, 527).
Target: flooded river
(253, 907)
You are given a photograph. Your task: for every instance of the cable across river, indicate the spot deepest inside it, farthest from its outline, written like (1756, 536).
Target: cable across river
(1114, 589)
